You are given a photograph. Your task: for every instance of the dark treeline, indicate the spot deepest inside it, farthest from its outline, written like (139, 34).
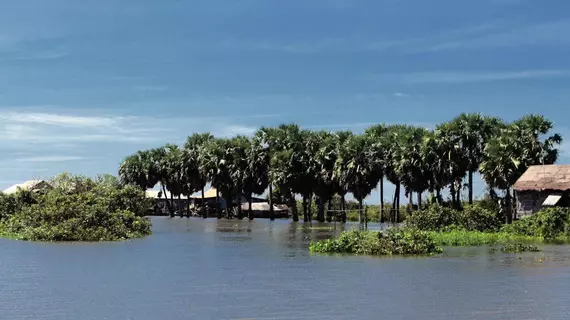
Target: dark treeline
(317, 165)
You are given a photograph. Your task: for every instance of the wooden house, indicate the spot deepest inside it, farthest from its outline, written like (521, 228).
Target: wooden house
(542, 186)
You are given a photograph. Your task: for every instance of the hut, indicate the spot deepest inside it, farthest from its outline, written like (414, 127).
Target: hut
(30, 185)
(542, 186)
(261, 210)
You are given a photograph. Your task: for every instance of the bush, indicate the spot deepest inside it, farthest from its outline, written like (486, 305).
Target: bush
(549, 224)
(77, 209)
(439, 218)
(395, 241)
(434, 218)
(477, 218)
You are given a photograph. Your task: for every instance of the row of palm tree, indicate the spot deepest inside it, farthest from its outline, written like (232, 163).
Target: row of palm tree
(292, 162)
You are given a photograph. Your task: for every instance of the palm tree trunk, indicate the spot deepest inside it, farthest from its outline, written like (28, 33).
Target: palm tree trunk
(171, 206)
(321, 210)
(293, 207)
(470, 186)
(419, 201)
(381, 198)
(310, 208)
(398, 202)
(329, 214)
(250, 213)
(453, 195)
(218, 209)
(271, 212)
(514, 205)
(343, 208)
(438, 195)
(180, 209)
(203, 206)
(168, 206)
(508, 210)
(360, 212)
(458, 198)
(305, 215)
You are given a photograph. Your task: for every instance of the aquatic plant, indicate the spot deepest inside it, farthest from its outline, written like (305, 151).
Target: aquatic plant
(395, 241)
(519, 247)
(460, 237)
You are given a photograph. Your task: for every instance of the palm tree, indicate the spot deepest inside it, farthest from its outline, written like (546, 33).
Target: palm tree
(216, 161)
(518, 146)
(355, 166)
(378, 137)
(194, 151)
(410, 164)
(341, 179)
(472, 132)
(256, 179)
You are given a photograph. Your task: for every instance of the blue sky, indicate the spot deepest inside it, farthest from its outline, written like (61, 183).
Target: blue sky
(83, 85)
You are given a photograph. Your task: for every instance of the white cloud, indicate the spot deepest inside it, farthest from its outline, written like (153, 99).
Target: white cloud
(59, 158)
(471, 76)
(58, 119)
(401, 95)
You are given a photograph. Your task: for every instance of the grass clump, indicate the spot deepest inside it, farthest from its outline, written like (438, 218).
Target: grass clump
(463, 237)
(519, 247)
(395, 241)
(77, 209)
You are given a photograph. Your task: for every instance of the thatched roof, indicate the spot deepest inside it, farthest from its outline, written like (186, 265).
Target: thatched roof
(544, 177)
(30, 185)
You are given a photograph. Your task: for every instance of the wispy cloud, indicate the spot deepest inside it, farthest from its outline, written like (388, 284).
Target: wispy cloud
(59, 120)
(471, 76)
(401, 95)
(552, 33)
(56, 158)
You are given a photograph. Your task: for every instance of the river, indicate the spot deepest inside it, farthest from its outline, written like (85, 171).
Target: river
(220, 269)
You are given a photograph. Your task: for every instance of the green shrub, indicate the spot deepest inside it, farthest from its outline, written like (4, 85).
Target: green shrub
(77, 209)
(395, 241)
(551, 223)
(434, 218)
(478, 218)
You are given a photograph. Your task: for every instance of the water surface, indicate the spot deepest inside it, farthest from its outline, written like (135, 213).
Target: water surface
(220, 269)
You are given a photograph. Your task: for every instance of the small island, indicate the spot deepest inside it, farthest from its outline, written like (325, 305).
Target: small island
(75, 208)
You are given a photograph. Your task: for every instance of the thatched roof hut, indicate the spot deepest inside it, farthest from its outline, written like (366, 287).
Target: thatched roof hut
(542, 186)
(545, 177)
(30, 185)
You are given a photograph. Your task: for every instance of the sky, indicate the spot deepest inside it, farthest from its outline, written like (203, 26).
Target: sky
(82, 85)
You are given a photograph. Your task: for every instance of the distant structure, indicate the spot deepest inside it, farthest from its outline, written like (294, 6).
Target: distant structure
(542, 186)
(30, 185)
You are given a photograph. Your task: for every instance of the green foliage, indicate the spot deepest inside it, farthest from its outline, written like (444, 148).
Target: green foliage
(78, 209)
(461, 237)
(434, 218)
(549, 224)
(520, 247)
(477, 218)
(471, 218)
(395, 241)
